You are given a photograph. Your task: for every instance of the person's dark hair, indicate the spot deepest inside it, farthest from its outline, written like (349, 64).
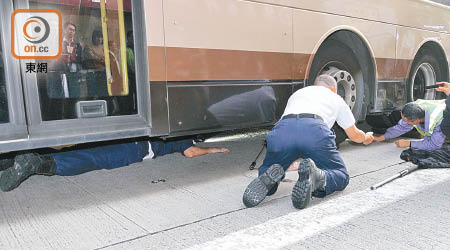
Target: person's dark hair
(130, 37)
(412, 111)
(69, 23)
(96, 34)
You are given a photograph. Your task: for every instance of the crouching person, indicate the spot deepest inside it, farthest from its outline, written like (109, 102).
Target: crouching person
(305, 131)
(81, 161)
(426, 117)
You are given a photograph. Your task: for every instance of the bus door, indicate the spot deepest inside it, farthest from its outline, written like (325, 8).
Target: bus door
(90, 91)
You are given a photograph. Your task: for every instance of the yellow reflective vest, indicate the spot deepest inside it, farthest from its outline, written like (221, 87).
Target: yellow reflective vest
(435, 109)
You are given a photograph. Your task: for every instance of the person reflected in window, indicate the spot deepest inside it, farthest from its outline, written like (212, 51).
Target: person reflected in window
(130, 52)
(94, 62)
(117, 87)
(72, 60)
(64, 78)
(116, 80)
(128, 103)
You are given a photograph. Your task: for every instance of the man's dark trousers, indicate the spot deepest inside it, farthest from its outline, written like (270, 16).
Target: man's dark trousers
(293, 138)
(112, 156)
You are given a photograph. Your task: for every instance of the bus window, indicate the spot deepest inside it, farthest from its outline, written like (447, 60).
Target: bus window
(93, 64)
(4, 115)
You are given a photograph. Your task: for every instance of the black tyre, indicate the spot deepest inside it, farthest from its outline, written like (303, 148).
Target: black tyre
(425, 71)
(338, 60)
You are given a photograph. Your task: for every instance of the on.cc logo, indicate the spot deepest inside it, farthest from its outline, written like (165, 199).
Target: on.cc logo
(39, 26)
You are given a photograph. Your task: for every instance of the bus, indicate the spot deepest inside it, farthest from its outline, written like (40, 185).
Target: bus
(167, 68)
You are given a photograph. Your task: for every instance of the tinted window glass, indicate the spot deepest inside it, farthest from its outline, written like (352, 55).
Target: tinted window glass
(97, 61)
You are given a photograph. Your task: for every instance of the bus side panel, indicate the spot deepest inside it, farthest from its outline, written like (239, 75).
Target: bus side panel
(308, 38)
(212, 107)
(157, 67)
(227, 24)
(229, 63)
(410, 41)
(412, 13)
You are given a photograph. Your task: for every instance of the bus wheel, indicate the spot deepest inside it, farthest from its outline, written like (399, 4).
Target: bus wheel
(338, 60)
(424, 72)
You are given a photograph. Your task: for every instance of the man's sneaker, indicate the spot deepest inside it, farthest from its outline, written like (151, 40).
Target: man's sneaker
(258, 189)
(310, 179)
(24, 166)
(6, 163)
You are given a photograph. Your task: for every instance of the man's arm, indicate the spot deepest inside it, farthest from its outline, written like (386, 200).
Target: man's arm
(346, 121)
(395, 131)
(358, 135)
(432, 142)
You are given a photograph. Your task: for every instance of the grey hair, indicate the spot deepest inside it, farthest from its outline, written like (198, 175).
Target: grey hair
(412, 111)
(325, 81)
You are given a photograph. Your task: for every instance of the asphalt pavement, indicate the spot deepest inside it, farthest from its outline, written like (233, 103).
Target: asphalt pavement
(174, 203)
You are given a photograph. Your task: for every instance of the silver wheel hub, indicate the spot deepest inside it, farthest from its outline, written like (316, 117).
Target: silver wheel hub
(345, 82)
(423, 76)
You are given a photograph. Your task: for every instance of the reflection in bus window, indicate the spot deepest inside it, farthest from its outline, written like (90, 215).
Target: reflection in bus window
(4, 115)
(93, 64)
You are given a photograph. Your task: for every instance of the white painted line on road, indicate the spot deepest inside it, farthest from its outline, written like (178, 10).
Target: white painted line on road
(297, 226)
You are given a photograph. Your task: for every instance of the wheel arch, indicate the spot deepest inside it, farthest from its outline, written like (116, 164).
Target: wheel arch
(436, 47)
(360, 45)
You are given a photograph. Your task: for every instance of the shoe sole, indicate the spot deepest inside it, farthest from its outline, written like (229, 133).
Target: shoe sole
(301, 193)
(13, 176)
(258, 189)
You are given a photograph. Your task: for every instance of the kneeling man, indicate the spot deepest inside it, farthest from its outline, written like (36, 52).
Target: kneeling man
(305, 131)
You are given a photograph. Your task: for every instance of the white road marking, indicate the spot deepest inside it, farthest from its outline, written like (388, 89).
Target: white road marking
(297, 226)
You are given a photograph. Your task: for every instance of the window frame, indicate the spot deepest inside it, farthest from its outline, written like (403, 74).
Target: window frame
(72, 131)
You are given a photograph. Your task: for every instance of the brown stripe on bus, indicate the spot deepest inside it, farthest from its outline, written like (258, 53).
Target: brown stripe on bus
(198, 64)
(392, 68)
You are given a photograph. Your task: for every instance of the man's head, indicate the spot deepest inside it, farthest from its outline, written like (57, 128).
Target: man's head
(97, 37)
(130, 38)
(69, 30)
(327, 82)
(413, 114)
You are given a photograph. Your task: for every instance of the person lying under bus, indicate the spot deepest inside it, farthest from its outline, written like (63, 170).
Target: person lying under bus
(426, 117)
(76, 162)
(305, 131)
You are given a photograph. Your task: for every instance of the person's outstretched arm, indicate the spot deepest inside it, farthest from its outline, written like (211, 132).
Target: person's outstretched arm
(395, 131)
(195, 151)
(358, 135)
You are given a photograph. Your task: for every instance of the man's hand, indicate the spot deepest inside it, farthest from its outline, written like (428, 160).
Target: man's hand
(445, 88)
(403, 143)
(369, 138)
(378, 138)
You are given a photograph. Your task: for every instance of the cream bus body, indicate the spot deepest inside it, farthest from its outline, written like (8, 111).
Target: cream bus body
(211, 65)
(201, 44)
